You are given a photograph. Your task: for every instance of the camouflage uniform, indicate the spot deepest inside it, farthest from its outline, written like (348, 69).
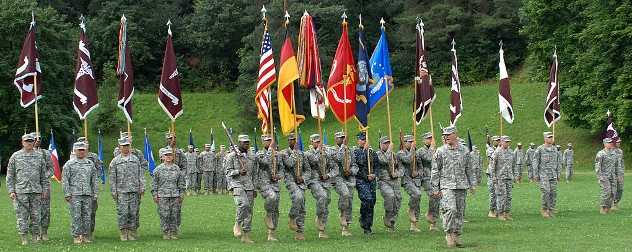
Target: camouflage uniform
(545, 168)
(321, 188)
(412, 186)
(95, 205)
(220, 176)
(27, 178)
(389, 186)
(243, 186)
(296, 190)
(80, 182)
(127, 180)
(167, 182)
(477, 163)
(492, 190)
(270, 190)
(208, 166)
(342, 155)
(192, 170)
(425, 155)
(50, 171)
(180, 160)
(519, 168)
(529, 161)
(366, 188)
(568, 160)
(502, 168)
(620, 175)
(606, 167)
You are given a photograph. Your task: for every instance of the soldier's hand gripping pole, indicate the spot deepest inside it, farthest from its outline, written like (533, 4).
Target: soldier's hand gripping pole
(235, 146)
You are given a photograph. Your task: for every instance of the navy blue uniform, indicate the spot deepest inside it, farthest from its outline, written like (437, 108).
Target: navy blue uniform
(366, 188)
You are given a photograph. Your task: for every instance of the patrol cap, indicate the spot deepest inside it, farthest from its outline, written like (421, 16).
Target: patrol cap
(80, 146)
(196, 149)
(266, 137)
(618, 140)
(231, 147)
(291, 136)
(165, 151)
(168, 135)
(28, 137)
(519, 144)
(505, 139)
(495, 138)
(607, 140)
(314, 138)
(557, 146)
(36, 135)
(385, 139)
(474, 147)
(123, 141)
(408, 138)
(532, 144)
(461, 141)
(339, 134)
(547, 134)
(569, 144)
(207, 146)
(252, 149)
(244, 138)
(427, 135)
(448, 130)
(222, 146)
(190, 146)
(361, 136)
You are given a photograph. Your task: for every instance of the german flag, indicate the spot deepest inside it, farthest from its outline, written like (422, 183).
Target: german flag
(288, 96)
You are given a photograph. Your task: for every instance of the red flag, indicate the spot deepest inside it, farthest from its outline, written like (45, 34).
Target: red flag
(267, 76)
(552, 110)
(425, 95)
(125, 73)
(456, 103)
(609, 130)
(504, 90)
(29, 73)
(169, 95)
(341, 88)
(85, 97)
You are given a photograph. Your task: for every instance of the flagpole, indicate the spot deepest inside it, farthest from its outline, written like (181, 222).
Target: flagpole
(36, 117)
(85, 127)
(501, 124)
(554, 129)
(298, 166)
(414, 123)
(129, 132)
(431, 124)
(388, 109)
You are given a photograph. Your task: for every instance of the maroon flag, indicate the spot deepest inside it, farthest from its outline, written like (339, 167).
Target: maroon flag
(425, 93)
(29, 73)
(124, 71)
(504, 91)
(456, 103)
(85, 97)
(552, 110)
(169, 94)
(609, 130)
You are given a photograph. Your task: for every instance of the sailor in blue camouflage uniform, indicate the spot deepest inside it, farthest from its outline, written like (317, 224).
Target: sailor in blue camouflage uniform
(502, 168)
(492, 191)
(167, 188)
(606, 166)
(389, 183)
(546, 169)
(268, 183)
(295, 164)
(345, 158)
(425, 155)
(620, 174)
(242, 168)
(366, 181)
(452, 175)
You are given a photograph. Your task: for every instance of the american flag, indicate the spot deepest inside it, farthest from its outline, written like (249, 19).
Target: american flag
(267, 76)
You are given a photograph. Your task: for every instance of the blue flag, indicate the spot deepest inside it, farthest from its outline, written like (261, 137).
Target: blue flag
(381, 67)
(256, 148)
(469, 140)
(101, 159)
(300, 141)
(324, 138)
(276, 142)
(149, 156)
(364, 78)
(190, 139)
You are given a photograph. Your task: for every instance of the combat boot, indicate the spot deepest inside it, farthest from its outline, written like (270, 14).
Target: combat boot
(507, 216)
(433, 227)
(299, 236)
(245, 238)
(342, 219)
(413, 227)
(345, 232)
(77, 239)
(172, 235)
(411, 215)
(176, 232)
(44, 234)
(614, 206)
(545, 213)
(268, 220)
(501, 216)
(25, 239)
(491, 214)
(387, 222)
(165, 235)
(271, 236)
(321, 234)
(34, 238)
(237, 229)
(292, 222)
(123, 234)
(319, 224)
(130, 235)
(392, 230)
(429, 218)
(550, 213)
(85, 239)
(603, 210)
(457, 241)
(134, 233)
(450, 240)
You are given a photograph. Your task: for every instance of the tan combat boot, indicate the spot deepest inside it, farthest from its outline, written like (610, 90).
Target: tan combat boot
(165, 235)
(271, 236)
(85, 239)
(130, 235)
(77, 239)
(614, 206)
(177, 232)
(237, 229)
(603, 210)
(245, 238)
(411, 215)
(44, 234)
(34, 238)
(172, 235)
(392, 230)
(491, 214)
(501, 216)
(135, 233)
(268, 220)
(433, 227)
(345, 232)
(457, 241)
(342, 219)
(319, 224)
(450, 240)
(413, 227)
(507, 216)
(545, 213)
(387, 222)
(123, 234)
(292, 222)
(429, 218)
(299, 236)
(550, 213)
(25, 239)
(321, 234)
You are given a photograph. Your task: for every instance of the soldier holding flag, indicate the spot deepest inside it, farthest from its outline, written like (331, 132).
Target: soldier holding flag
(269, 185)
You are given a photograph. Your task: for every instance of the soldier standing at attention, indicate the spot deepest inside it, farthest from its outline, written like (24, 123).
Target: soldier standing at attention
(268, 183)
(452, 175)
(127, 185)
(519, 168)
(529, 156)
(366, 181)
(295, 184)
(181, 162)
(219, 172)
(388, 182)
(50, 170)
(198, 175)
(97, 166)
(546, 168)
(192, 168)
(167, 188)
(143, 165)
(492, 191)
(411, 179)
(207, 167)
(568, 160)
(345, 158)
(81, 188)
(425, 155)
(606, 167)
(27, 184)
(620, 174)
(502, 170)
(477, 162)
(242, 168)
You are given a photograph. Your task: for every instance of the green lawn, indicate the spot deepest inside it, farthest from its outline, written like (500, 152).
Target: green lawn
(207, 225)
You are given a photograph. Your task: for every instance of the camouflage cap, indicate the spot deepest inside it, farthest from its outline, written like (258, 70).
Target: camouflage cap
(315, 138)
(505, 139)
(207, 145)
(80, 146)
(266, 137)
(569, 144)
(474, 147)
(166, 151)
(547, 134)
(385, 139)
(126, 134)
(339, 134)
(461, 141)
(191, 147)
(222, 146)
(361, 136)
(168, 135)
(495, 138)
(408, 138)
(291, 136)
(196, 150)
(448, 130)
(427, 135)
(618, 140)
(252, 149)
(28, 137)
(37, 135)
(607, 140)
(532, 144)
(244, 138)
(124, 141)
(519, 144)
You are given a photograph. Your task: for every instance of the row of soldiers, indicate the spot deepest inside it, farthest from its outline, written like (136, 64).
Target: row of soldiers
(206, 166)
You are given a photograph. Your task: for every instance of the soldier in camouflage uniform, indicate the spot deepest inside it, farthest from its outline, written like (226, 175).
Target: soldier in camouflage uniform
(492, 191)
(192, 170)
(127, 185)
(388, 182)
(546, 168)
(268, 183)
(295, 164)
(424, 161)
(50, 171)
(620, 174)
(366, 181)
(80, 183)
(27, 183)
(411, 178)
(181, 162)
(143, 164)
(207, 167)
(477, 162)
(568, 160)
(167, 188)
(452, 175)
(606, 167)
(559, 160)
(97, 166)
(198, 176)
(519, 168)
(502, 172)
(345, 158)
(529, 161)
(220, 177)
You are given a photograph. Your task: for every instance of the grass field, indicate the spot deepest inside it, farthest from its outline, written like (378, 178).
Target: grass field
(208, 219)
